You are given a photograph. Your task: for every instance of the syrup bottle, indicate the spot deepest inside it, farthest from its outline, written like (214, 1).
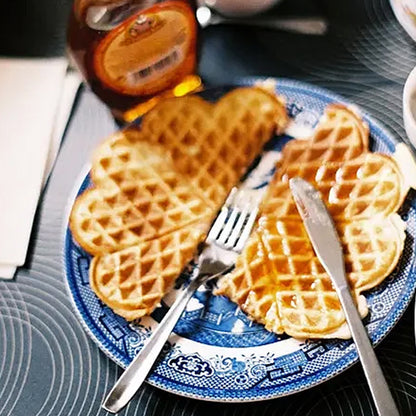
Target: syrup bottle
(133, 52)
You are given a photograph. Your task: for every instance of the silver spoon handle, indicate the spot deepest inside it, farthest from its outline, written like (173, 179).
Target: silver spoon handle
(136, 373)
(306, 26)
(379, 388)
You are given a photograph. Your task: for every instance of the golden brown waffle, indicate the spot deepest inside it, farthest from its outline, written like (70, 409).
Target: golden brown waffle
(140, 197)
(213, 144)
(155, 182)
(370, 184)
(133, 281)
(196, 151)
(340, 135)
(278, 280)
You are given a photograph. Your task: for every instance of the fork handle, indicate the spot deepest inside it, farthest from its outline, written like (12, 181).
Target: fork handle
(137, 371)
(379, 388)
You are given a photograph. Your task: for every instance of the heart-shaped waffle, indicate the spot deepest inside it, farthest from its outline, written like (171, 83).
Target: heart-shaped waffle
(370, 184)
(162, 182)
(132, 281)
(340, 135)
(142, 197)
(278, 280)
(212, 144)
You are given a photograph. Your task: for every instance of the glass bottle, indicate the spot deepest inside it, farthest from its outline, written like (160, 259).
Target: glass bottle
(133, 52)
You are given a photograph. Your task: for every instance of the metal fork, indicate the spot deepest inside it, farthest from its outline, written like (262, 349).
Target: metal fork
(225, 240)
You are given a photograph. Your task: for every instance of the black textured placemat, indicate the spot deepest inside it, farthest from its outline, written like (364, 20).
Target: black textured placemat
(33, 27)
(49, 366)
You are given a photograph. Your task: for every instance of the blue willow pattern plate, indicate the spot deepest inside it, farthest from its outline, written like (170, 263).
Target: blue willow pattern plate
(216, 353)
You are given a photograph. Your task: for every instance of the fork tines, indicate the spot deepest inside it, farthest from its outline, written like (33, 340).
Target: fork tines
(235, 220)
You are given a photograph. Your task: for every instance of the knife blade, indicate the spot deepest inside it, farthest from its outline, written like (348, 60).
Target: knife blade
(327, 246)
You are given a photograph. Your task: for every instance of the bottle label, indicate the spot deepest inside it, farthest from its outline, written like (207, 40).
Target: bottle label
(150, 51)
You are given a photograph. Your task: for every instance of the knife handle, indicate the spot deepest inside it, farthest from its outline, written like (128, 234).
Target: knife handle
(379, 388)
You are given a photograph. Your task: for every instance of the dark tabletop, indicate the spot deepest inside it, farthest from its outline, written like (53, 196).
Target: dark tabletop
(48, 364)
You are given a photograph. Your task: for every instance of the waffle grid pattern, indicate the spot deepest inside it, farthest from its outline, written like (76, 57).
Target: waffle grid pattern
(290, 292)
(163, 181)
(158, 262)
(146, 200)
(214, 151)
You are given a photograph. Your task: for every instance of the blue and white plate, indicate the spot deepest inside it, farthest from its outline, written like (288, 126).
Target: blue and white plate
(216, 353)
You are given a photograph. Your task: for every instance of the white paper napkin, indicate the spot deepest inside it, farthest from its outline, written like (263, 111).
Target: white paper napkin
(71, 84)
(30, 91)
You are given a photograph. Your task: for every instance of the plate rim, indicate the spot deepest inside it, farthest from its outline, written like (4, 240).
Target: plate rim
(404, 22)
(348, 360)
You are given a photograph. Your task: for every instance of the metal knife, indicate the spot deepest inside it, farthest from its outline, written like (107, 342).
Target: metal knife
(325, 241)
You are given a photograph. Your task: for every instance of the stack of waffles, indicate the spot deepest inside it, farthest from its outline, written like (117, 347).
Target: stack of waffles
(157, 188)
(278, 280)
